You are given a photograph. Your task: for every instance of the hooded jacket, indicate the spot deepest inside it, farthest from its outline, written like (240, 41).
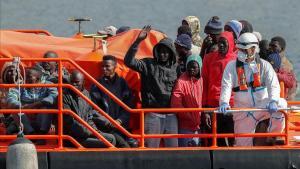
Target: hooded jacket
(187, 93)
(194, 24)
(157, 80)
(212, 71)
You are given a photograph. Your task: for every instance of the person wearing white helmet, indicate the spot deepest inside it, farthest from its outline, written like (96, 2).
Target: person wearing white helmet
(255, 85)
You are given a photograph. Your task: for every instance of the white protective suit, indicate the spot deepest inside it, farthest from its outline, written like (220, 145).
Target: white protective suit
(245, 122)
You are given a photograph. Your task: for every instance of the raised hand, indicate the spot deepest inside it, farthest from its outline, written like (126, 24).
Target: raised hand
(143, 33)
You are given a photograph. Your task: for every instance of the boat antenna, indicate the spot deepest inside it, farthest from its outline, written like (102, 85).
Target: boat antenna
(79, 20)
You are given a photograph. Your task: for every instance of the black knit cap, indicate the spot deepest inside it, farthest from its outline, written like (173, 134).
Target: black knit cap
(247, 27)
(214, 26)
(280, 40)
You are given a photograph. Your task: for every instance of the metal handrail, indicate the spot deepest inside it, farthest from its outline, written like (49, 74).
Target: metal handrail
(142, 112)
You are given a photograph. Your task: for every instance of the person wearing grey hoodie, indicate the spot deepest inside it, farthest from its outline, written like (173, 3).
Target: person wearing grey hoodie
(158, 76)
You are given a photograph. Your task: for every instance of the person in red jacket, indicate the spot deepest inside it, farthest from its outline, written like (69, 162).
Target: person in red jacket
(212, 71)
(187, 93)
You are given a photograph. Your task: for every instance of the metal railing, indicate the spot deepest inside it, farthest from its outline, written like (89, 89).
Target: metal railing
(141, 136)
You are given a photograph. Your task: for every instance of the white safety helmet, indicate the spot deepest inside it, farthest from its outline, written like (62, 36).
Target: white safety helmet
(246, 41)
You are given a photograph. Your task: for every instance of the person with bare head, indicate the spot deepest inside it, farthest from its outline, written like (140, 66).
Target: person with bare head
(50, 69)
(79, 106)
(119, 87)
(278, 46)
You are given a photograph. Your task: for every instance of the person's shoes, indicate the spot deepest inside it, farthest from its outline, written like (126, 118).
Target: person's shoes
(132, 142)
(271, 141)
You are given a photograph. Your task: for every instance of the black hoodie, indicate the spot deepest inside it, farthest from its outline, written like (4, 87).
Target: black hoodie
(157, 80)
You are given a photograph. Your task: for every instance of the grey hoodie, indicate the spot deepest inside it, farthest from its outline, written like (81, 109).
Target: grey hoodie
(157, 80)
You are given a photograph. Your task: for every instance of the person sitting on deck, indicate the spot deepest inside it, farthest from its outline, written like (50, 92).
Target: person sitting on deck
(50, 69)
(158, 76)
(117, 86)
(79, 106)
(187, 93)
(33, 98)
(9, 75)
(255, 85)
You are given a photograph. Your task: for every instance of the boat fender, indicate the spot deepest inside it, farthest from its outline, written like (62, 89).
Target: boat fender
(21, 154)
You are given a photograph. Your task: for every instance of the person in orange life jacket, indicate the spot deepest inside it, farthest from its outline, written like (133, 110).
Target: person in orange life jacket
(255, 85)
(158, 76)
(288, 78)
(183, 45)
(185, 29)
(213, 29)
(213, 67)
(187, 93)
(278, 45)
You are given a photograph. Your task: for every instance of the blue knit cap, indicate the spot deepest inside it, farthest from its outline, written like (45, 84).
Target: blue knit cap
(236, 26)
(196, 58)
(275, 60)
(214, 26)
(184, 40)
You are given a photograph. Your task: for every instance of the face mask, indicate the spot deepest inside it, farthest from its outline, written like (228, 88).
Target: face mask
(242, 56)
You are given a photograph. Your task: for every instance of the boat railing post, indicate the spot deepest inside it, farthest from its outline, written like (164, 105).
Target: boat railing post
(214, 130)
(60, 106)
(142, 122)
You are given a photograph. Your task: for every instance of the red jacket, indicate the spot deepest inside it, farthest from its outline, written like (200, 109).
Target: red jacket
(187, 93)
(212, 72)
(289, 80)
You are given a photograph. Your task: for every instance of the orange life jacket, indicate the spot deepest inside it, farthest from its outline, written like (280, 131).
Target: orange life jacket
(242, 82)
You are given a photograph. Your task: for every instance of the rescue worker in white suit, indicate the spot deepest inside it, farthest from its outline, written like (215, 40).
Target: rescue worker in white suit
(255, 85)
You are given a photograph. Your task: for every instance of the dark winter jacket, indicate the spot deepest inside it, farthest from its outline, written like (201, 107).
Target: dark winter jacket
(118, 86)
(157, 80)
(79, 106)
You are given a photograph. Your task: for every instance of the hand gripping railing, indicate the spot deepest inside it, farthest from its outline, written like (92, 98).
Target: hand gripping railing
(140, 136)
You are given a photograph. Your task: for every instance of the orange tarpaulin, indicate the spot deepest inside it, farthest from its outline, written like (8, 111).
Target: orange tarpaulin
(29, 45)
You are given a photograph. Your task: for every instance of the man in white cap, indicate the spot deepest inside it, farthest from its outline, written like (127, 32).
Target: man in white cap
(256, 86)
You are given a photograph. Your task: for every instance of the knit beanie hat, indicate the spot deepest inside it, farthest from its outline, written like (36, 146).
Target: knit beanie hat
(275, 60)
(280, 40)
(236, 26)
(196, 58)
(213, 26)
(247, 27)
(184, 40)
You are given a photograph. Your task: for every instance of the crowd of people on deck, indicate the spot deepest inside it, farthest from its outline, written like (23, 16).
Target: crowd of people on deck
(232, 67)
